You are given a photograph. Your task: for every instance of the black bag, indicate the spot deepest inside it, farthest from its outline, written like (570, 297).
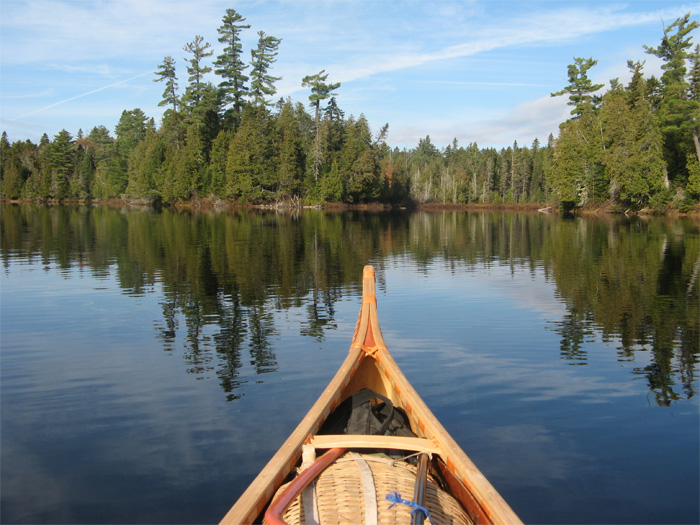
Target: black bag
(359, 415)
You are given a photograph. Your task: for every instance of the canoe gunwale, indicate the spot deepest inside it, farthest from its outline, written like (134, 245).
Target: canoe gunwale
(368, 353)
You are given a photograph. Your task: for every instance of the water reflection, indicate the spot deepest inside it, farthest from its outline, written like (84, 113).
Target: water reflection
(223, 276)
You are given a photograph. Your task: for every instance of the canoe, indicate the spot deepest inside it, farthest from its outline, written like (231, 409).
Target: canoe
(321, 477)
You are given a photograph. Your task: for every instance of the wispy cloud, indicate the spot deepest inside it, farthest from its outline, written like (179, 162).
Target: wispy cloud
(540, 29)
(92, 92)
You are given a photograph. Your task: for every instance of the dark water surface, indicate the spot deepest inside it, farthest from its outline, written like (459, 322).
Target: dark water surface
(152, 362)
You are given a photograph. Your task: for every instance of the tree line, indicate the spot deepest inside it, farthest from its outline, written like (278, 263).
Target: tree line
(636, 146)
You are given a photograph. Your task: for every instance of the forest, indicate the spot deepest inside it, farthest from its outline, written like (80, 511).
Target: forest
(634, 147)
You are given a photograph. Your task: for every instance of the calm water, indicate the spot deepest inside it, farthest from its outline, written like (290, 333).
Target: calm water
(151, 363)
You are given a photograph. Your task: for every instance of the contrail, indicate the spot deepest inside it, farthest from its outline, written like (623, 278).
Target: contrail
(80, 96)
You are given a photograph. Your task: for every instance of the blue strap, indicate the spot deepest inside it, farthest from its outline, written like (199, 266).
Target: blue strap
(396, 498)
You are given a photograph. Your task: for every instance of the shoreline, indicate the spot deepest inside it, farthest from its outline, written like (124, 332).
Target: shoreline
(214, 204)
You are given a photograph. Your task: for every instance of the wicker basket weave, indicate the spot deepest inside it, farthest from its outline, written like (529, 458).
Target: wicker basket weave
(341, 492)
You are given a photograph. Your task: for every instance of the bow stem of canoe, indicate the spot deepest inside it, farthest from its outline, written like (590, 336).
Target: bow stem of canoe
(454, 485)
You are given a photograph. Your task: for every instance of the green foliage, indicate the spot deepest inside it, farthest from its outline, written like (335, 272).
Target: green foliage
(633, 157)
(62, 163)
(576, 166)
(250, 167)
(291, 158)
(580, 89)
(130, 130)
(693, 187)
(637, 146)
(166, 73)
(679, 105)
(198, 50)
(319, 89)
(229, 64)
(262, 84)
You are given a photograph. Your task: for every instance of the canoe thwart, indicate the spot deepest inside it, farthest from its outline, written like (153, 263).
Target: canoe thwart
(413, 444)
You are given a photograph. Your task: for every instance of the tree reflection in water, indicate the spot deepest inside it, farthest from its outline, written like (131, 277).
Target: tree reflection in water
(224, 275)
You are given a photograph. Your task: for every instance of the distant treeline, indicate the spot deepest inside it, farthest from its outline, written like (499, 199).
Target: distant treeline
(636, 146)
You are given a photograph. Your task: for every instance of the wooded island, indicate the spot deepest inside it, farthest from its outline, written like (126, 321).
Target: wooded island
(636, 146)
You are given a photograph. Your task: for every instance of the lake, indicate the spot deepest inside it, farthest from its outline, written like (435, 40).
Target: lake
(153, 361)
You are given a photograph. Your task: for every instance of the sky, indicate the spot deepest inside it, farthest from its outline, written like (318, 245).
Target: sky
(476, 71)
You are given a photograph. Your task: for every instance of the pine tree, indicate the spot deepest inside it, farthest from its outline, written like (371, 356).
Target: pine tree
(230, 66)
(261, 83)
(166, 73)
(319, 91)
(199, 50)
(580, 89)
(678, 108)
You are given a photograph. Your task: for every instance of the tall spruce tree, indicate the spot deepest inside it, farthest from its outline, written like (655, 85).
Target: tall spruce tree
(230, 66)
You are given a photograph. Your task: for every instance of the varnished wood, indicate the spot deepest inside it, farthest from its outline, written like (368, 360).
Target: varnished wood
(370, 365)
(380, 442)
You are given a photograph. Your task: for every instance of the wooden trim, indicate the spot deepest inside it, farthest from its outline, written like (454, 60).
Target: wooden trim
(386, 442)
(263, 487)
(464, 496)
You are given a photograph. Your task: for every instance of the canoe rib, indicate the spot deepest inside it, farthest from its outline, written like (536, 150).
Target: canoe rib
(370, 365)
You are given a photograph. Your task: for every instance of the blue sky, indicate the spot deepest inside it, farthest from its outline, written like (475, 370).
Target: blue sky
(478, 71)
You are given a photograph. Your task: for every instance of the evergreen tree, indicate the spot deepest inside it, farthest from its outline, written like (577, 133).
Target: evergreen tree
(577, 167)
(678, 108)
(130, 130)
(62, 164)
(250, 165)
(290, 162)
(103, 158)
(188, 170)
(11, 179)
(319, 91)
(230, 66)
(81, 181)
(42, 186)
(145, 165)
(199, 50)
(166, 73)
(217, 163)
(633, 155)
(261, 83)
(580, 89)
